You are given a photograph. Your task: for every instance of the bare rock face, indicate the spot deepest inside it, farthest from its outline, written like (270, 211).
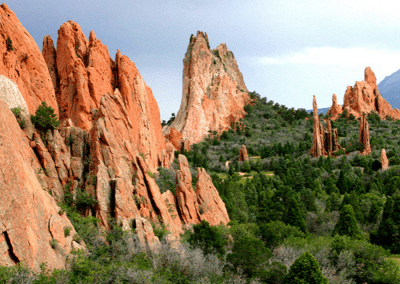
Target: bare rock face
(324, 142)
(243, 156)
(204, 204)
(214, 93)
(10, 94)
(364, 97)
(384, 160)
(23, 62)
(31, 225)
(175, 137)
(50, 56)
(364, 135)
(211, 207)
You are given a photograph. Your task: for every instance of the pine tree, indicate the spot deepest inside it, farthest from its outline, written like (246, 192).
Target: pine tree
(347, 224)
(305, 270)
(342, 183)
(293, 216)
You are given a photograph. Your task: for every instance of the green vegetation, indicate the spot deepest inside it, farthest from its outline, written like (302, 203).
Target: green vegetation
(45, 118)
(17, 111)
(9, 44)
(305, 270)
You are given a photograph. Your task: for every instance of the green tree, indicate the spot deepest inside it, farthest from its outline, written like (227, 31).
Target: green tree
(293, 216)
(250, 255)
(305, 270)
(45, 118)
(347, 224)
(209, 238)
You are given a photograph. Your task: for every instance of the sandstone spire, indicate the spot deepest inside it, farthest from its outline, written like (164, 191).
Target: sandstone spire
(384, 160)
(243, 156)
(335, 109)
(324, 142)
(364, 135)
(213, 94)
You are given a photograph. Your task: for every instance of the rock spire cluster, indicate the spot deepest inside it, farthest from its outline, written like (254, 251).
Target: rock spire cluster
(363, 97)
(213, 94)
(325, 142)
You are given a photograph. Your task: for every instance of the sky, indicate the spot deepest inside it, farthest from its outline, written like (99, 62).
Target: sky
(287, 50)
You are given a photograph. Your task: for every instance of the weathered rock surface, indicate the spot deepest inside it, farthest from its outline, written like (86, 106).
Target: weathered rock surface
(29, 216)
(214, 93)
(211, 206)
(23, 62)
(364, 135)
(335, 109)
(10, 94)
(364, 97)
(205, 203)
(324, 142)
(243, 156)
(384, 160)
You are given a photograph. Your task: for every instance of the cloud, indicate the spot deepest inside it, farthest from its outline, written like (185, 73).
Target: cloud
(382, 61)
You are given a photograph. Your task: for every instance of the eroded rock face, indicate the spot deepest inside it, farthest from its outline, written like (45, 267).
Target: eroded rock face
(23, 62)
(364, 135)
(243, 156)
(29, 218)
(204, 204)
(384, 160)
(335, 109)
(214, 93)
(364, 97)
(324, 142)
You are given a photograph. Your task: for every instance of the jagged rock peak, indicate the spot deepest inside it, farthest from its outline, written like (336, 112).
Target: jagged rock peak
(364, 97)
(23, 62)
(213, 91)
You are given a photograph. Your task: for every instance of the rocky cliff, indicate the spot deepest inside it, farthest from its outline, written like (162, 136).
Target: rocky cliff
(363, 97)
(107, 148)
(213, 94)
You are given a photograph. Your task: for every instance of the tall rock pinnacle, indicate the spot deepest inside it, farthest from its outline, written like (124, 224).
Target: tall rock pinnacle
(364, 135)
(213, 94)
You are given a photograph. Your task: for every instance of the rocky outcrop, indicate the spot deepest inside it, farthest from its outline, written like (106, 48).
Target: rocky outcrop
(175, 137)
(364, 135)
(324, 142)
(335, 109)
(364, 97)
(211, 207)
(204, 204)
(31, 223)
(214, 93)
(23, 62)
(243, 156)
(384, 160)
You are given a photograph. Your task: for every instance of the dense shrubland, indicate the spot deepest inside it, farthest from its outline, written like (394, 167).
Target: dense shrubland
(333, 219)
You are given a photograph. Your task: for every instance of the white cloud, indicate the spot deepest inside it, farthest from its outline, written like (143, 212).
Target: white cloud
(382, 61)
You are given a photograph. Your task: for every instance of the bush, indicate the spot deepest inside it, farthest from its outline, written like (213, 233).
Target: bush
(45, 118)
(305, 270)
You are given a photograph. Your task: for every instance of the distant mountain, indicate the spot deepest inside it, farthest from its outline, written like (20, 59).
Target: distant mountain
(390, 89)
(320, 110)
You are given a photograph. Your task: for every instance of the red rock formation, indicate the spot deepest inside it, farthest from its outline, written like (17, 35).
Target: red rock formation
(175, 137)
(243, 156)
(29, 216)
(213, 94)
(384, 160)
(364, 135)
(211, 206)
(364, 97)
(23, 62)
(335, 109)
(50, 57)
(205, 203)
(324, 142)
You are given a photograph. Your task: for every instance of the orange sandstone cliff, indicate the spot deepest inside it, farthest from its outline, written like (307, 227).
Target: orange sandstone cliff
(213, 94)
(363, 97)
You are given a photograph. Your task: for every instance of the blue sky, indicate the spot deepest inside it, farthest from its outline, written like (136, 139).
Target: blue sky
(287, 51)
